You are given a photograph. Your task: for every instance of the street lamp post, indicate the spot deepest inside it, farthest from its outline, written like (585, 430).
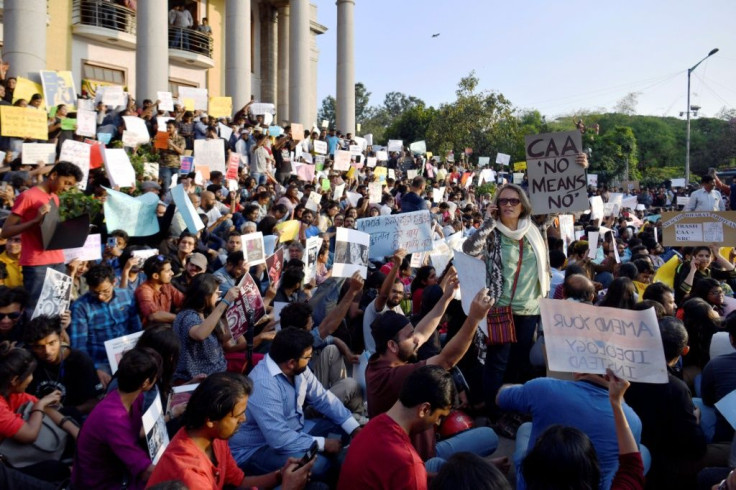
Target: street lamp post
(687, 137)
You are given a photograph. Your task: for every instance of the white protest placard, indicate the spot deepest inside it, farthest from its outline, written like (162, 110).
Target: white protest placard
(471, 273)
(210, 153)
(503, 159)
(339, 190)
(311, 251)
(254, 248)
(683, 200)
(165, 101)
(727, 407)
(628, 202)
(596, 207)
(91, 250)
(582, 338)
(137, 126)
(261, 108)
(410, 231)
(353, 198)
(134, 215)
(85, 105)
(77, 152)
(418, 147)
(518, 178)
(613, 206)
(86, 123)
(161, 123)
(118, 167)
(371, 162)
(186, 208)
(320, 147)
(313, 201)
(382, 155)
(225, 131)
(486, 175)
(567, 230)
(483, 161)
(391, 174)
(154, 426)
(112, 95)
(417, 260)
(355, 150)
(394, 146)
(55, 295)
(592, 244)
(440, 255)
(678, 182)
(368, 139)
(342, 160)
(115, 348)
(410, 174)
(556, 182)
(375, 192)
(362, 142)
(198, 96)
(593, 180)
(438, 195)
(351, 253)
(35, 153)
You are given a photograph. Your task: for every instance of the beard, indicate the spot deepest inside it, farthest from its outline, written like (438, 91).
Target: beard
(409, 357)
(300, 371)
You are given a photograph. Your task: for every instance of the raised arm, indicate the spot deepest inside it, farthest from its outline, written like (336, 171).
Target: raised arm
(426, 327)
(337, 315)
(388, 283)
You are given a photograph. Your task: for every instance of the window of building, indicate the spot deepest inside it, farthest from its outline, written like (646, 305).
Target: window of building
(175, 83)
(103, 73)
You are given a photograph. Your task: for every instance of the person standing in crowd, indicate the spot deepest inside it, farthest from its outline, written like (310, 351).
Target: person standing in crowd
(170, 162)
(707, 198)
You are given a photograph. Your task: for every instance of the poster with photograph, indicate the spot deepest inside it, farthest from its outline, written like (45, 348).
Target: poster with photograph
(253, 248)
(310, 257)
(115, 348)
(247, 309)
(154, 426)
(180, 394)
(274, 264)
(55, 295)
(351, 253)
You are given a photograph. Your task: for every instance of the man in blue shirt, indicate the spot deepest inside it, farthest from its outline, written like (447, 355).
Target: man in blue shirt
(275, 428)
(413, 200)
(332, 141)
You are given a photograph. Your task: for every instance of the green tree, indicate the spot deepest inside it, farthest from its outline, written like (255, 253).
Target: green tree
(362, 110)
(612, 151)
(412, 124)
(327, 111)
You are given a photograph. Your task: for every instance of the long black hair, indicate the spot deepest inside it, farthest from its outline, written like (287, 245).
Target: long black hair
(15, 363)
(201, 288)
(162, 339)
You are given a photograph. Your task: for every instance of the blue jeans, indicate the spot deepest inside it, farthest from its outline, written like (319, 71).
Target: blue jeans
(33, 279)
(481, 441)
(260, 178)
(509, 362)
(165, 174)
(267, 459)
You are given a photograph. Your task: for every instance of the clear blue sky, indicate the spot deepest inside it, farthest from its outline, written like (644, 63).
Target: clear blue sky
(555, 56)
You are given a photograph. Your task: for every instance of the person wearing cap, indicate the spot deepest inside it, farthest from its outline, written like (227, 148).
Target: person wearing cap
(150, 186)
(196, 264)
(397, 343)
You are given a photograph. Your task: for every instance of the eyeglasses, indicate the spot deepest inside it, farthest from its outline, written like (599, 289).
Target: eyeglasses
(715, 292)
(13, 316)
(509, 202)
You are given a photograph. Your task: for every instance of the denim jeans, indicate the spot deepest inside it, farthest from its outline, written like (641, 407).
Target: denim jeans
(509, 362)
(165, 174)
(33, 279)
(260, 178)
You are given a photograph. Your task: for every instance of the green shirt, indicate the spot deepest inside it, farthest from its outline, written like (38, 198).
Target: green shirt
(528, 290)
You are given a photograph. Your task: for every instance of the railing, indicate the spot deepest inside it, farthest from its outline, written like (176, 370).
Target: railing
(190, 40)
(100, 13)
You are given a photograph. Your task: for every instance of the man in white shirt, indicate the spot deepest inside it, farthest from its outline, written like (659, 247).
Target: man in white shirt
(706, 198)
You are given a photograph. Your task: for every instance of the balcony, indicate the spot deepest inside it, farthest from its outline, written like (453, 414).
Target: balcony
(104, 22)
(190, 47)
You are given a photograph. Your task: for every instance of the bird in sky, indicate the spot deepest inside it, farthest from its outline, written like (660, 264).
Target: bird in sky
(436, 35)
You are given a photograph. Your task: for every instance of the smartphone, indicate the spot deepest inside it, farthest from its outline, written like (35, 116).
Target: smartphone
(112, 242)
(309, 455)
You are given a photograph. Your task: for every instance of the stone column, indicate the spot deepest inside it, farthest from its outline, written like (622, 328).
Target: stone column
(299, 63)
(345, 103)
(24, 43)
(268, 53)
(237, 52)
(282, 97)
(152, 50)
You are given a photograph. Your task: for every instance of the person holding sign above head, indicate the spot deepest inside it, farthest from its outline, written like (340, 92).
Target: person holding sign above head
(517, 266)
(28, 213)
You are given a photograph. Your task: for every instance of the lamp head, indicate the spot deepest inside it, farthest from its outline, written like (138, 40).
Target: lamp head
(713, 51)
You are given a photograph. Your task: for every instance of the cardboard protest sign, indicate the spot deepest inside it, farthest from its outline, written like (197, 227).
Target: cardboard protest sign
(115, 348)
(165, 101)
(111, 95)
(233, 163)
(593, 180)
(483, 161)
(339, 191)
(154, 426)
(86, 123)
(342, 160)
(395, 146)
(519, 166)
(418, 147)
(375, 192)
(582, 338)
(698, 228)
(410, 231)
(198, 96)
(381, 156)
(91, 250)
(186, 209)
(25, 89)
(274, 264)
(210, 153)
(305, 172)
(220, 107)
(297, 131)
(503, 159)
(351, 253)
(134, 215)
(118, 167)
(253, 248)
(677, 182)
(310, 257)
(55, 295)
(288, 230)
(556, 182)
(471, 273)
(58, 88)
(58, 235)
(247, 308)
(35, 153)
(262, 108)
(137, 127)
(320, 147)
(596, 207)
(23, 122)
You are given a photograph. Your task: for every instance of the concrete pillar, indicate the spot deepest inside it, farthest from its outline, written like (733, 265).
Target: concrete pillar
(299, 75)
(282, 96)
(345, 103)
(268, 53)
(152, 50)
(237, 52)
(24, 43)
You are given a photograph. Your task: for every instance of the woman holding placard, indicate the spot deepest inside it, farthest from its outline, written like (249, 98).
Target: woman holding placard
(517, 274)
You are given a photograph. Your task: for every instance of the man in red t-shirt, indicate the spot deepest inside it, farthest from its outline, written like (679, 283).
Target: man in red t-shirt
(382, 456)
(199, 456)
(28, 213)
(158, 300)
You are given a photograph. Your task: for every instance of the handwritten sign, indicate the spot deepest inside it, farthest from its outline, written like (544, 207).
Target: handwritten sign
(23, 122)
(77, 153)
(503, 159)
(556, 182)
(115, 348)
(342, 160)
(25, 89)
(395, 145)
(220, 106)
(483, 161)
(320, 147)
(419, 147)
(519, 166)
(410, 231)
(583, 338)
(210, 153)
(678, 182)
(698, 228)
(381, 156)
(593, 180)
(91, 250)
(34, 153)
(471, 273)
(137, 127)
(165, 101)
(198, 97)
(118, 167)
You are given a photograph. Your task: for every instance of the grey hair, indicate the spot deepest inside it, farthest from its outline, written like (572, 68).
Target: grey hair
(526, 205)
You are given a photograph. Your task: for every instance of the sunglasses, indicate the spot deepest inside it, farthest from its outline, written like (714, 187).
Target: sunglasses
(13, 316)
(509, 202)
